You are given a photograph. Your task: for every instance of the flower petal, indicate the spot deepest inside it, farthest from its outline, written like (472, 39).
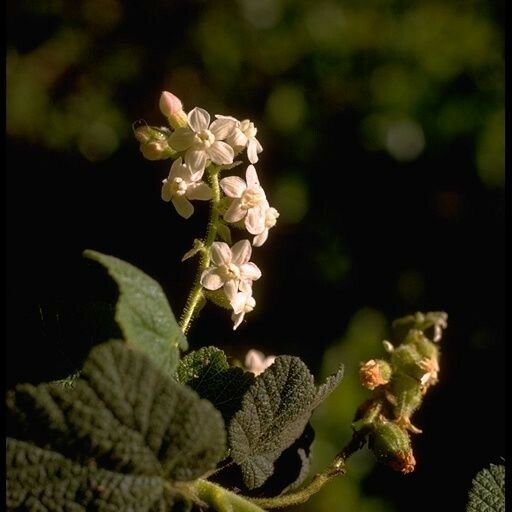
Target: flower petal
(221, 253)
(241, 252)
(210, 279)
(166, 191)
(237, 318)
(252, 151)
(237, 139)
(179, 170)
(260, 239)
(251, 176)
(183, 206)
(235, 212)
(200, 191)
(198, 119)
(221, 128)
(221, 153)
(230, 289)
(255, 220)
(250, 271)
(196, 160)
(238, 303)
(233, 186)
(181, 139)
(245, 286)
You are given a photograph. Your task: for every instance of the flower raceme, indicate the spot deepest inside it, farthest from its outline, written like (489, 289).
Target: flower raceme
(199, 146)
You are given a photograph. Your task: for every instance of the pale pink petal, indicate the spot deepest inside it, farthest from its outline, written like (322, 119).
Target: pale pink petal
(200, 191)
(198, 119)
(230, 289)
(251, 176)
(166, 191)
(260, 239)
(169, 103)
(183, 206)
(221, 153)
(249, 271)
(241, 252)
(196, 176)
(178, 170)
(238, 303)
(238, 139)
(221, 128)
(221, 253)
(245, 286)
(196, 160)
(231, 118)
(237, 318)
(259, 147)
(255, 220)
(233, 186)
(235, 212)
(181, 139)
(210, 279)
(252, 151)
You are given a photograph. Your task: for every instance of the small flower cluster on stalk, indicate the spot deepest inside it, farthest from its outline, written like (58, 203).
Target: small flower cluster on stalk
(199, 145)
(399, 384)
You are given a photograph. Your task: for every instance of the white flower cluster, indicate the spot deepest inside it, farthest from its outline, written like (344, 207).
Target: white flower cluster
(196, 142)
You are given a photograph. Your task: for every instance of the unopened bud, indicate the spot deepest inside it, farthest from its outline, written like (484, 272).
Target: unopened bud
(172, 108)
(156, 150)
(374, 373)
(391, 445)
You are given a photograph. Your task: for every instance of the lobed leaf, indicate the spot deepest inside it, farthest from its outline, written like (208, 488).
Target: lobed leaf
(122, 419)
(143, 312)
(207, 372)
(274, 413)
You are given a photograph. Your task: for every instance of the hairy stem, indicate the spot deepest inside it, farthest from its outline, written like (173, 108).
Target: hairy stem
(336, 468)
(196, 298)
(221, 499)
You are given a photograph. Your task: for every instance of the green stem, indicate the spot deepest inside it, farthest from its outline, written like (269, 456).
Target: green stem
(336, 468)
(196, 298)
(221, 499)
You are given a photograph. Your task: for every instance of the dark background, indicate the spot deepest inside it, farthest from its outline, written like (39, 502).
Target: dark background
(383, 129)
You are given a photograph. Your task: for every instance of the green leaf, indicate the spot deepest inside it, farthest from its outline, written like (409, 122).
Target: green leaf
(487, 493)
(122, 416)
(143, 313)
(274, 413)
(39, 479)
(208, 373)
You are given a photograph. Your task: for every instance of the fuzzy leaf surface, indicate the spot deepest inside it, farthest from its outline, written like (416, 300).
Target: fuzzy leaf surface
(122, 416)
(487, 493)
(143, 312)
(207, 372)
(275, 411)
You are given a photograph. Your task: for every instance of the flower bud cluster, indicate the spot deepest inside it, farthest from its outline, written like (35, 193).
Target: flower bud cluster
(399, 384)
(198, 145)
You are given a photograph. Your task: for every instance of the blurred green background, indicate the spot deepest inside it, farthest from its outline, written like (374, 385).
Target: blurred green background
(383, 128)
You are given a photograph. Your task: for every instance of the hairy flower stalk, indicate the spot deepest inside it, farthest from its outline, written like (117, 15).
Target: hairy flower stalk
(196, 298)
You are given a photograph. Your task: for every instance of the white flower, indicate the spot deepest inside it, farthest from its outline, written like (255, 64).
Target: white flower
(244, 136)
(271, 215)
(256, 362)
(242, 303)
(249, 200)
(202, 141)
(231, 269)
(181, 185)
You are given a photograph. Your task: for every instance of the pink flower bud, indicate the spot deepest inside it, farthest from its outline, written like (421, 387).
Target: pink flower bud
(170, 104)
